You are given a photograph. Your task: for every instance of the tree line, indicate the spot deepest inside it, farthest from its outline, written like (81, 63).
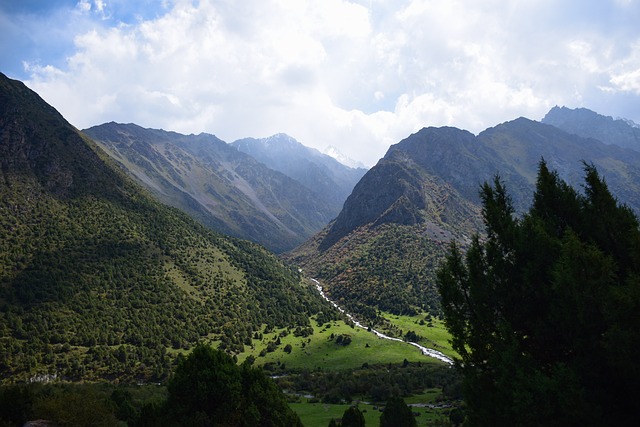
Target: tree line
(206, 389)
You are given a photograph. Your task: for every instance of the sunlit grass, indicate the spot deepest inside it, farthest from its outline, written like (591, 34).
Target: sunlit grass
(319, 351)
(433, 332)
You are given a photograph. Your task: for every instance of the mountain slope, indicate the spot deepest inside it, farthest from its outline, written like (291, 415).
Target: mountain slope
(216, 184)
(521, 143)
(329, 179)
(97, 279)
(382, 249)
(589, 124)
(380, 252)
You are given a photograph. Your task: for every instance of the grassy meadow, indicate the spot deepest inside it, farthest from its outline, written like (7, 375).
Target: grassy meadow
(320, 414)
(432, 332)
(321, 350)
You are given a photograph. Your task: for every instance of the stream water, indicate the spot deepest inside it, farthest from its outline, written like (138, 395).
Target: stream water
(426, 351)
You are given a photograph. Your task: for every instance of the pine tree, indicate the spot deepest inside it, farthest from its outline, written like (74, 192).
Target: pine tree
(397, 414)
(208, 388)
(352, 417)
(545, 310)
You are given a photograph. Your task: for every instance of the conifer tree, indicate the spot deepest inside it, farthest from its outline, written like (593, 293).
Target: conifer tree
(397, 414)
(208, 388)
(545, 310)
(352, 417)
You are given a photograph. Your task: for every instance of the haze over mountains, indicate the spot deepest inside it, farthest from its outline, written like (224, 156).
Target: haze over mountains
(277, 197)
(329, 179)
(590, 124)
(347, 161)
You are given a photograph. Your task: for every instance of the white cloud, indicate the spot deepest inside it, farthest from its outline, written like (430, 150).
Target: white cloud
(625, 74)
(98, 7)
(628, 81)
(359, 75)
(84, 5)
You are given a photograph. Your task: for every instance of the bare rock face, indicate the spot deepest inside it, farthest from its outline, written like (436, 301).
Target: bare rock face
(406, 184)
(215, 183)
(36, 143)
(589, 124)
(329, 179)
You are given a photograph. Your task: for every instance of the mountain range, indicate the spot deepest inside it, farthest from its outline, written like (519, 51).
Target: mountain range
(589, 124)
(382, 249)
(277, 197)
(98, 279)
(330, 180)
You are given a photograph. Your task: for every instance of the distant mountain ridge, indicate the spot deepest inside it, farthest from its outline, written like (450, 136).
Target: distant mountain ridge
(589, 124)
(425, 192)
(223, 188)
(330, 180)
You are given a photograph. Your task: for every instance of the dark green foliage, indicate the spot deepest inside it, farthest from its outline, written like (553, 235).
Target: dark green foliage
(124, 405)
(373, 382)
(76, 404)
(545, 312)
(411, 336)
(352, 417)
(343, 339)
(456, 416)
(389, 268)
(397, 414)
(16, 404)
(208, 388)
(76, 408)
(205, 384)
(98, 280)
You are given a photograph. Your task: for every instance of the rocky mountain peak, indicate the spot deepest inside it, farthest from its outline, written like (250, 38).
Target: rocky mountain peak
(589, 124)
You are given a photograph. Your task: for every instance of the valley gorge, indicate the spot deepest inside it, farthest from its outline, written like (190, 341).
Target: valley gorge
(123, 248)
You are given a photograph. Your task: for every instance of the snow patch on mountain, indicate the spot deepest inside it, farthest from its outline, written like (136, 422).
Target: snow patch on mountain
(336, 154)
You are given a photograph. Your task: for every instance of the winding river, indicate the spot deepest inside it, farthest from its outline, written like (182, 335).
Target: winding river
(426, 351)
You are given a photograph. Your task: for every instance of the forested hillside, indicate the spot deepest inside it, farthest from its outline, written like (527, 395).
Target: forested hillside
(381, 250)
(99, 280)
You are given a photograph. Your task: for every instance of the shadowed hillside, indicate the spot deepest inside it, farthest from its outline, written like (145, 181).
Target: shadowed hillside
(99, 280)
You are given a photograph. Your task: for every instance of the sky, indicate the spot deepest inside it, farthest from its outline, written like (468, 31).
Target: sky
(358, 75)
